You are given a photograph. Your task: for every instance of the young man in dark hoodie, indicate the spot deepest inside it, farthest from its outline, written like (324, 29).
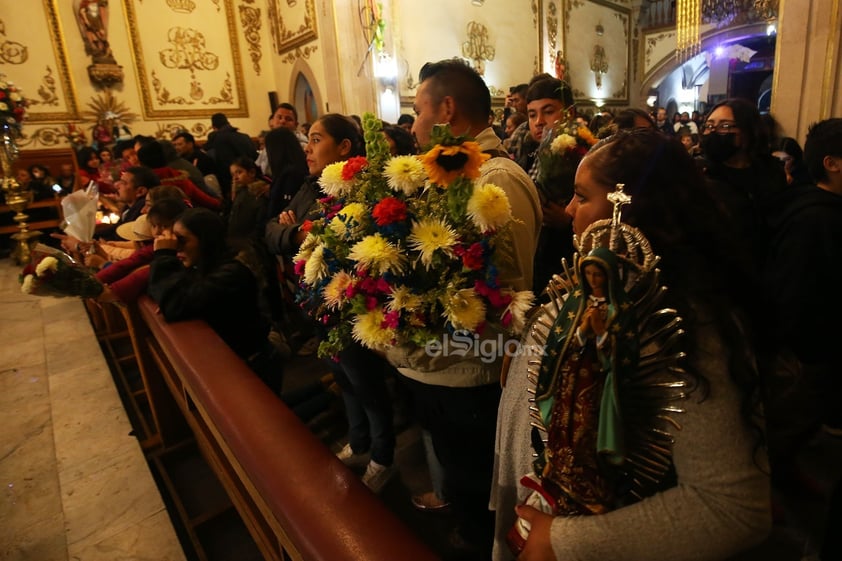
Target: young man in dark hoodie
(801, 278)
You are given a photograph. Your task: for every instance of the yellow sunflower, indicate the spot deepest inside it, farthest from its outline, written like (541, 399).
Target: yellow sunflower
(445, 163)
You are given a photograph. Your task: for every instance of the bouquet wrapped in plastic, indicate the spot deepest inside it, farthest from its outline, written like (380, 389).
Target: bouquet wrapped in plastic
(54, 273)
(79, 209)
(407, 247)
(562, 148)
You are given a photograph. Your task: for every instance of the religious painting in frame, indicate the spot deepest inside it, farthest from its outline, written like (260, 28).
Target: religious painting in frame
(43, 75)
(596, 48)
(292, 24)
(190, 66)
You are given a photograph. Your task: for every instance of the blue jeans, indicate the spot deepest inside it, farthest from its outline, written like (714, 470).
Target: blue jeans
(362, 376)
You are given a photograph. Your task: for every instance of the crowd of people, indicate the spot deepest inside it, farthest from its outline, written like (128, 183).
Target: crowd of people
(746, 224)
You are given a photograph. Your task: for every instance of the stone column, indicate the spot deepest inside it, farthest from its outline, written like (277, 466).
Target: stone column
(808, 65)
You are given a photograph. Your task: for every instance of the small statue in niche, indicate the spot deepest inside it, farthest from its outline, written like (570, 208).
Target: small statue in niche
(92, 17)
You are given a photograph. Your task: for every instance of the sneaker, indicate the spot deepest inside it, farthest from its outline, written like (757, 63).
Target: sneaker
(377, 475)
(351, 458)
(429, 502)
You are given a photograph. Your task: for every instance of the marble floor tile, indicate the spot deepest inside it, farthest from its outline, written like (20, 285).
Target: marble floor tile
(152, 539)
(40, 540)
(108, 501)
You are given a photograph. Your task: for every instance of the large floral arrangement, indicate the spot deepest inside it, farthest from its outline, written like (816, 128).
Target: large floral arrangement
(12, 104)
(53, 273)
(407, 248)
(559, 154)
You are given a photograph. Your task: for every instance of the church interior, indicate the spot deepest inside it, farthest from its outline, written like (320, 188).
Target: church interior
(116, 445)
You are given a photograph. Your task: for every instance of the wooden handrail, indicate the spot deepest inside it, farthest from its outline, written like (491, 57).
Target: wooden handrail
(293, 493)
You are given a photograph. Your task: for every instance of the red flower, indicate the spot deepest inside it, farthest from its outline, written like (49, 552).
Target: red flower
(390, 320)
(472, 257)
(353, 166)
(298, 267)
(493, 295)
(306, 226)
(388, 211)
(2, 94)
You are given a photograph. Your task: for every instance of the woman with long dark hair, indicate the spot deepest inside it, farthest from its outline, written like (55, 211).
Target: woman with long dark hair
(195, 275)
(671, 409)
(287, 167)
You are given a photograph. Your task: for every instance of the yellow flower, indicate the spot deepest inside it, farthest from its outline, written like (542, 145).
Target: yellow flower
(429, 236)
(489, 207)
(445, 163)
(315, 268)
(349, 218)
(586, 135)
(376, 253)
(331, 180)
(402, 299)
(28, 284)
(306, 248)
(46, 264)
(562, 143)
(465, 309)
(368, 329)
(334, 292)
(405, 173)
(3, 106)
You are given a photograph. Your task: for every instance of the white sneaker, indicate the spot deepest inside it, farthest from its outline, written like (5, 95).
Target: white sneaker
(377, 475)
(351, 459)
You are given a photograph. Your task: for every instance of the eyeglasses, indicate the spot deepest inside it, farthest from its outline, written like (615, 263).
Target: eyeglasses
(723, 127)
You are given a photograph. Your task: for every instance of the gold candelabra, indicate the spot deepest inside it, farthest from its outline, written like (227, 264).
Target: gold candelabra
(18, 197)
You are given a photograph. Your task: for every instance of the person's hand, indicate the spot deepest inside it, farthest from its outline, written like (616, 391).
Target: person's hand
(287, 217)
(538, 545)
(71, 245)
(597, 322)
(106, 295)
(554, 215)
(94, 261)
(166, 240)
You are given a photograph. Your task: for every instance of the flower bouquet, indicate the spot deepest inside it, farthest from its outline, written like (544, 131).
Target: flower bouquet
(54, 273)
(407, 248)
(12, 104)
(562, 148)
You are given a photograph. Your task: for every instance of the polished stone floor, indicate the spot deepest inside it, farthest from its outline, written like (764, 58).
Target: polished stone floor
(75, 484)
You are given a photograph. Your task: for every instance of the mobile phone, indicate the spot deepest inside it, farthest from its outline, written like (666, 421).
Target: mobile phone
(56, 187)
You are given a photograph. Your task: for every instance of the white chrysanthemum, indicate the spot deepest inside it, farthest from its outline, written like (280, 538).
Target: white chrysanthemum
(349, 218)
(562, 143)
(489, 207)
(310, 242)
(520, 304)
(405, 173)
(368, 329)
(15, 96)
(431, 235)
(331, 180)
(403, 299)
(46, 264)
(377, 254)
(465, 309)
(334, 292)
(315, 268)
(28, 284)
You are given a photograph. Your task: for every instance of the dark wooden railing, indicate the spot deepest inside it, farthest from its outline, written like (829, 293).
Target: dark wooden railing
(296, 498)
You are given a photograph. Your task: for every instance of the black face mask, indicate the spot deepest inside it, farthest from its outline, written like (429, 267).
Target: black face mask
(719, 147)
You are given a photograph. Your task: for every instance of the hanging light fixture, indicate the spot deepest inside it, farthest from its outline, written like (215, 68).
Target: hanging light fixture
(688, 18)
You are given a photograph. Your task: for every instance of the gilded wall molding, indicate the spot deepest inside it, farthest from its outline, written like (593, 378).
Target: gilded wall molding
(11, 52)
(52, 96)
(168, 130)
(478, 47)
(179, 74)
(53, 135)
(298, 52)
(295, 28)
(250, 20)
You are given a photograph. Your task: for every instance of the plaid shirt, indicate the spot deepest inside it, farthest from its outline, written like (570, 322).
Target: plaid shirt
(522, 147)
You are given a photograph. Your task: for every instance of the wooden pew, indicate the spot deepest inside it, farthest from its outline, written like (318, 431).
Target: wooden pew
(296, 498)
